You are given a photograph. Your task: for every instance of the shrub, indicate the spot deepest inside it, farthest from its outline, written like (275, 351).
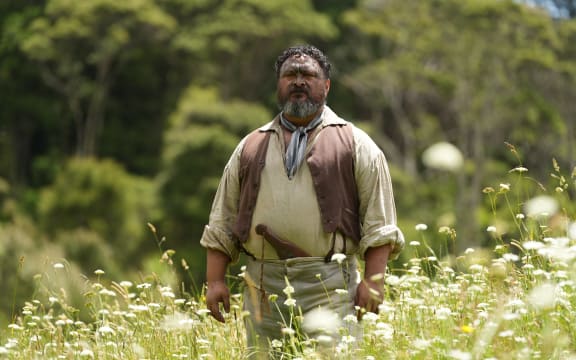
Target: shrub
(98, 196)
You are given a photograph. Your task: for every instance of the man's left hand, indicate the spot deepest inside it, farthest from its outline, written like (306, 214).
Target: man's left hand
(368, 297)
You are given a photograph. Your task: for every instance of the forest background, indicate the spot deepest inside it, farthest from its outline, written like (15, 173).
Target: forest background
(117, 117)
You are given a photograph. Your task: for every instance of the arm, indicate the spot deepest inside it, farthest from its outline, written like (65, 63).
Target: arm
(217, 239)
(381, 238)
(377, 209)
(217, 291)
(370, 291)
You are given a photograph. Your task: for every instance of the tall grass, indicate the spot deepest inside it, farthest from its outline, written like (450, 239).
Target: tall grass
(515, 300)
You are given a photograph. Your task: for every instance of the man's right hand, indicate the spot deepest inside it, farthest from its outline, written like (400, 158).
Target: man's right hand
(217, 292)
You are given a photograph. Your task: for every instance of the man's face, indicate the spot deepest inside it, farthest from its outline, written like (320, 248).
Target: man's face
(302, 87)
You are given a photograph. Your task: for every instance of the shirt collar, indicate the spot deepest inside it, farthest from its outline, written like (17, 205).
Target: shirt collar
(329, 118)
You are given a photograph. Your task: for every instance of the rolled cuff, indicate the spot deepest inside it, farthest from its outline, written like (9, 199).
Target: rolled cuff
(388, 234)
(217, 239)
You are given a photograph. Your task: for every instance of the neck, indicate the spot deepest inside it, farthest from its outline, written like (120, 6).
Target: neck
(298, 121)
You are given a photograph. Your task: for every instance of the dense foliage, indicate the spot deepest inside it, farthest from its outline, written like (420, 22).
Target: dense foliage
(115, 114)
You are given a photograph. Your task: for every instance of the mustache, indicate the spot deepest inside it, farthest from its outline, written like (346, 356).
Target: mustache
(298, 90)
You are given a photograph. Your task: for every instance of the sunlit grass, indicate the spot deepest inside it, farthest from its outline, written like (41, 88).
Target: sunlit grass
(512, 301)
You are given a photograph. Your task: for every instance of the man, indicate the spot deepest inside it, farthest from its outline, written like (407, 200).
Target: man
(296, 195)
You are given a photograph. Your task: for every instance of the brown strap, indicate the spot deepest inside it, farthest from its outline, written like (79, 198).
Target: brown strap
(328, 256)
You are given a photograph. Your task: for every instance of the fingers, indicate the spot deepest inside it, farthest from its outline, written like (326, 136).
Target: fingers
(226, 303)
(360, 313)
(218, 316)
(367, 300)
(363, 309)
(217, 293)
(360, 302)
(215, 312)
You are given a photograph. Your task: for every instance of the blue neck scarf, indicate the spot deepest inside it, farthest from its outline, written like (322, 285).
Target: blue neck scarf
(297, 146)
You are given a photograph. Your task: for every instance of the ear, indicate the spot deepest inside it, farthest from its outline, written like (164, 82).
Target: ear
(327, 86)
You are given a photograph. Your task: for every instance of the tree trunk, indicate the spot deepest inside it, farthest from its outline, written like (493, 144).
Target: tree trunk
(406, 129)
(88, 144)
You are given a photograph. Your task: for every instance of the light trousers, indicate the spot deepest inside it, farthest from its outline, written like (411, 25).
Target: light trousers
(281, 293)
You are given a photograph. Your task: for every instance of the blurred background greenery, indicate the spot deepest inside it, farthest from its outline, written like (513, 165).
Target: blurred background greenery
(116, 114)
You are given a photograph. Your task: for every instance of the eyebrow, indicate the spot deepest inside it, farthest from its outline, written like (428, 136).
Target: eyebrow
(300, 68)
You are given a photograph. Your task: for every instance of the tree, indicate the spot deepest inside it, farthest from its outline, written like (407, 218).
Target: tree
(449, 69)
(232, 44)
(27, 104)
(79, 47)
(554, 83)
(557, 8)
(99, 212)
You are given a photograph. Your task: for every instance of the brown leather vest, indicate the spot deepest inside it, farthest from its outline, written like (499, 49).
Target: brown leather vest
(331, 163)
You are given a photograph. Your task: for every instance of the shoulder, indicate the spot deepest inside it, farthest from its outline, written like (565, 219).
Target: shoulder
(363, 143)
(331, 119)
(366, 151)
(255, 142)
(272, 126)
(256, 135)
(361, 137)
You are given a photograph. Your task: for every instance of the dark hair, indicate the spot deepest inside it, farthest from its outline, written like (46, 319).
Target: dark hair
(309, 50)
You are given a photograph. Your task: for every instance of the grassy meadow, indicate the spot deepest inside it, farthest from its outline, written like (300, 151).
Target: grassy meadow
(513, 300)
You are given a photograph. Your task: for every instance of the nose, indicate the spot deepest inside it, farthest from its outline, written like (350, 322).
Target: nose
(299, 80)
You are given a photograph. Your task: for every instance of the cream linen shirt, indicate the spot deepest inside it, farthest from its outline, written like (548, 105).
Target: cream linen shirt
(289, 207)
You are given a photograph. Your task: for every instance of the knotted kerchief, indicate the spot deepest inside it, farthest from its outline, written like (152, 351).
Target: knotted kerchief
(297, 145)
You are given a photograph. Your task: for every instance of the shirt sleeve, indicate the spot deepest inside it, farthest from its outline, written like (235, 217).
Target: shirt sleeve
(377, 208)
(218, 234)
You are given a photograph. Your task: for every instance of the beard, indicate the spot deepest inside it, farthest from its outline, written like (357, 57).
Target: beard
(300, 109)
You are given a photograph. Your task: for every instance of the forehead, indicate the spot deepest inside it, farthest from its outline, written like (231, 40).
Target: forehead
(300, 60)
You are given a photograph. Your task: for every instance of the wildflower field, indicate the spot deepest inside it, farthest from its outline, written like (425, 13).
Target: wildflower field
(513, 300)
